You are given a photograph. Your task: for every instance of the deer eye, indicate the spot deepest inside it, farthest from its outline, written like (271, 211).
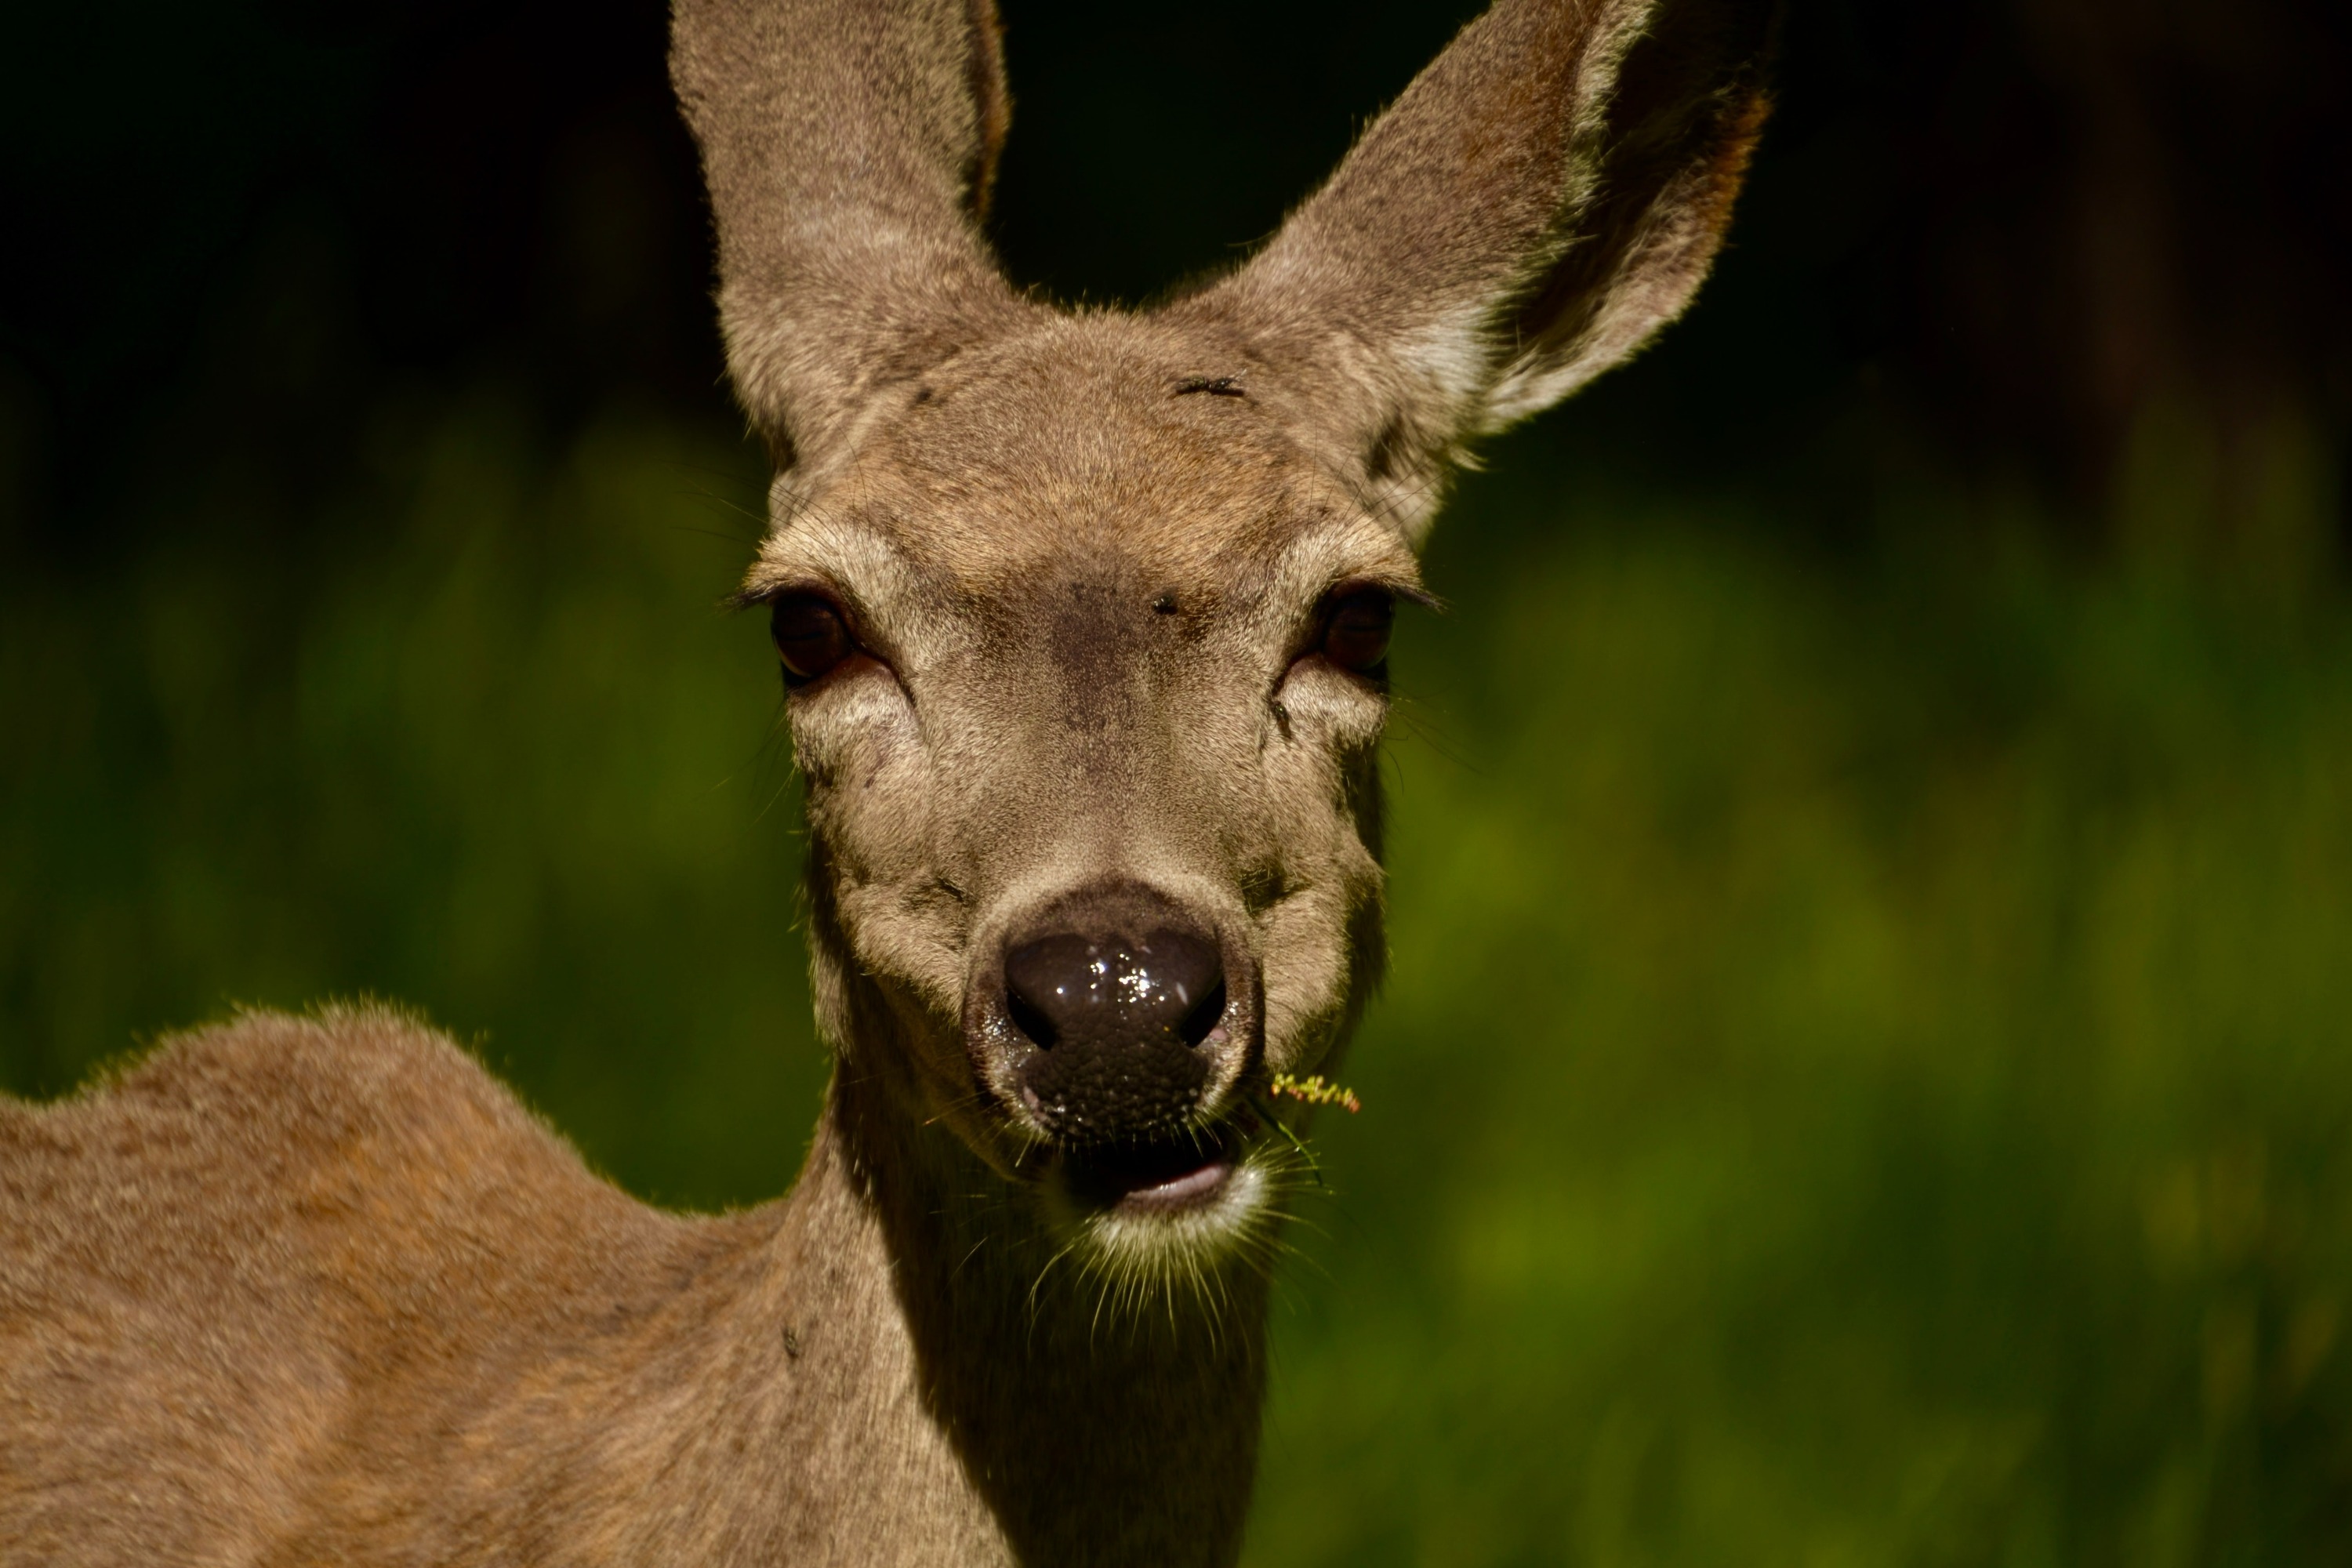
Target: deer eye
(810, 636)
(1356, 633)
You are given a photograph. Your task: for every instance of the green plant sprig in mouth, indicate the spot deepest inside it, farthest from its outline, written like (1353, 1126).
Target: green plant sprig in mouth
(1315, 1092)
(1312, 1091)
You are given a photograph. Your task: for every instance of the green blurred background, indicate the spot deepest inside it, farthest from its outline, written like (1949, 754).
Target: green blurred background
(1867, 1069)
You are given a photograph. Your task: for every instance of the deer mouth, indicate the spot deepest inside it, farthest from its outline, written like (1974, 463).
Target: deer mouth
(1167, 1175)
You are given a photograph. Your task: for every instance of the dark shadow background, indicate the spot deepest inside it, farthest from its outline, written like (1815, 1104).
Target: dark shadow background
(2012, 224)
(1867, 1069)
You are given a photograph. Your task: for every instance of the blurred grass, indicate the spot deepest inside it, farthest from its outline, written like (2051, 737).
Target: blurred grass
(1865, 1077)
(485, 745)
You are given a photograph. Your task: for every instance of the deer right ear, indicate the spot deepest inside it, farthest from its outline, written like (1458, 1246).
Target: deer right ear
(849, 147)
(1541, 199)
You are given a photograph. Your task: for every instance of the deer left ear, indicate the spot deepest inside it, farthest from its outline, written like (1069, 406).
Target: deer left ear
(1540, 201)
(849, 147)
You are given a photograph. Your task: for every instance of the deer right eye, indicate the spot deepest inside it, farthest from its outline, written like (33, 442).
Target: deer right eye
(1356, 635)
(810, 636)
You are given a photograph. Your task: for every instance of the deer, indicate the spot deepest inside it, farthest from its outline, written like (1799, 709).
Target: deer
(1083, 617)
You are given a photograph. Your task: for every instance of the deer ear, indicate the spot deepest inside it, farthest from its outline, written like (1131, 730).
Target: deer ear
(849, 147)
(1541, 199)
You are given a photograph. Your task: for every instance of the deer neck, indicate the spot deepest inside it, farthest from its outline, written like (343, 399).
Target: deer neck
(1054, 1420)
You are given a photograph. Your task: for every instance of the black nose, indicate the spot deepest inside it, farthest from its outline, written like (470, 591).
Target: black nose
(1115, 990)
(1122, 1021)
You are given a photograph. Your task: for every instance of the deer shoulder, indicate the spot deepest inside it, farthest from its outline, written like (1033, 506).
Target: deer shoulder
(321, 1288)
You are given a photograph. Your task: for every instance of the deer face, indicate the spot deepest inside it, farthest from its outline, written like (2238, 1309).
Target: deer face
(1083, 615)
(1089, 748)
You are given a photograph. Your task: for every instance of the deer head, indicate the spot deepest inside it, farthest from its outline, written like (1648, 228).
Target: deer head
(1083, 615)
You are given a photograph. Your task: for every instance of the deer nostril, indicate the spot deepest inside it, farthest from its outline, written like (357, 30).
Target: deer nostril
(1204, 1016)
(1030, 1019)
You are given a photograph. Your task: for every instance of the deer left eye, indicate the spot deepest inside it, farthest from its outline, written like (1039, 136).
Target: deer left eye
(809, 635)
(1356, 634)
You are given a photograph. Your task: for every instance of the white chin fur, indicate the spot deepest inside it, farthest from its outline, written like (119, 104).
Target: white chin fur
(1145, 1257)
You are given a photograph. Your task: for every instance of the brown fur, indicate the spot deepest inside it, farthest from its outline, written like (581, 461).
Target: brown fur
(317, 1290)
